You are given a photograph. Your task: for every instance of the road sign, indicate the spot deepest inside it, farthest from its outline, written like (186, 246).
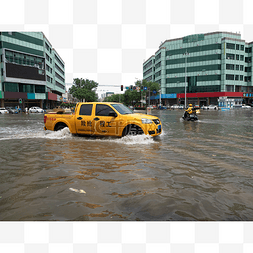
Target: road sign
(145, 88)
(154, 91)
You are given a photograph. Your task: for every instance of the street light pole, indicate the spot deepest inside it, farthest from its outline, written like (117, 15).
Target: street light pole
(185, 78)
(160, 95)
(149, 97)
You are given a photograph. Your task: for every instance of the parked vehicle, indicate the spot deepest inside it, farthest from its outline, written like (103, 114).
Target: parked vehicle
(3, 110)
(175, 106)
(210, 107)
(12, 110)
(246, 106)
(36, 109)
(162, 107)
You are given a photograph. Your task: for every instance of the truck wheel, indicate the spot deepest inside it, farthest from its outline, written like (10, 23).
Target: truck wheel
(59, 127)
(132, 130)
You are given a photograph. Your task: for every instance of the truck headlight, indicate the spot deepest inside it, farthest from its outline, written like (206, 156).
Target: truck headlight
(146, 121)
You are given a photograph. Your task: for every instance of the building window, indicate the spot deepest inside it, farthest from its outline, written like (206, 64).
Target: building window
(237, 77)
(230, 56)
(241, 78)
(242, 47)
(247, 69)
(230, 46)
(157, 74)
(147, 65)
(158, 56)
(230, 88)
(247, 78)
(148, 72)
(26, 88)
(248, 59)
(230, 66)
(241, 67)
(241, 58)
(12, 87)
(59, 85)
(59, 61)
(39, 89)
(158, 65)
(230, 77)
(237, 67)
(237, 47)
(23, 59)
(59, 69)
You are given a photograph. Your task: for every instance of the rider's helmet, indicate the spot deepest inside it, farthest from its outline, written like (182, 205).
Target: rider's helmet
(190, 104)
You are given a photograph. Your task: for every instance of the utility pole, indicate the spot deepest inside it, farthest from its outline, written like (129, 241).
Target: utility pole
(186, 53)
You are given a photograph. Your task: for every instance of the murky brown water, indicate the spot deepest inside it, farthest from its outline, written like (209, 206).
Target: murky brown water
(193, 171)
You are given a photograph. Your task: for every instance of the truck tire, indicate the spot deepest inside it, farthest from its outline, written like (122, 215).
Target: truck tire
(59, 126)
(132, 130)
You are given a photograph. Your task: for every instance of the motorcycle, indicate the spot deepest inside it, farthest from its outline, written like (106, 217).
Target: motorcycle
(191, 116)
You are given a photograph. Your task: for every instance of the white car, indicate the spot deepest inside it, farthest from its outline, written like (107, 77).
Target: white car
(246, 106)
(36, 109)
(175, 106)
(3, 110)
(210, 107)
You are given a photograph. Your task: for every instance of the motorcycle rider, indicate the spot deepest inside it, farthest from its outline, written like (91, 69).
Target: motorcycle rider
(190, 113)
(189, 110)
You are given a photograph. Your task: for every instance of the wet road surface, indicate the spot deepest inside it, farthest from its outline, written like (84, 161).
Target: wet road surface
(193, 171)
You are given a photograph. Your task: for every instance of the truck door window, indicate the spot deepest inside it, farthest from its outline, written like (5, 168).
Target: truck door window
(103, 110)
(86, 109)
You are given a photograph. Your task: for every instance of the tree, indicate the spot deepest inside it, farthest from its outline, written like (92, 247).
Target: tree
(84, 89)
(113, 98)
(131, 97)
(151, 87)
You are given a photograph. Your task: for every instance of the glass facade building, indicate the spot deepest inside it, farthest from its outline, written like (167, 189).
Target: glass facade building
(31, 70)
(217, 62)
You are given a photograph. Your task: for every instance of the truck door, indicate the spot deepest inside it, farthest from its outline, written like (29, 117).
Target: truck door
(84, 121)
(104, 123)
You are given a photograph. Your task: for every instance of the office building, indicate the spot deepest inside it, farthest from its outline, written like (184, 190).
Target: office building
(202, 66)
(32, 72)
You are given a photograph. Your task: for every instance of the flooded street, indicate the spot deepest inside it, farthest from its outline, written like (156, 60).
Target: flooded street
(194, 171)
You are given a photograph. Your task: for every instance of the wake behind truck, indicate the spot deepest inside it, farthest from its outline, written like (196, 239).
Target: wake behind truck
(103, 119)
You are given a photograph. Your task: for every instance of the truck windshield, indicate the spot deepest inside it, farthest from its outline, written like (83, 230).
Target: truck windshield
(122, 109)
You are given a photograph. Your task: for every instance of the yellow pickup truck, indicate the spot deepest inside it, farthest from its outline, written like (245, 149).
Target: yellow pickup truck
(103, 119)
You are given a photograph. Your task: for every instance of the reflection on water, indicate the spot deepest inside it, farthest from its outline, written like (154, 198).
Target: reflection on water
(193, 171)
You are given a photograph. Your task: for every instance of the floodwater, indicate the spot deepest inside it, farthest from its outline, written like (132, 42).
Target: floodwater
(194, 171)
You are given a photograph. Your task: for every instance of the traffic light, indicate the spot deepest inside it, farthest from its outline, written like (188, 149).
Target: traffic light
(131, 87)
(141, 88)
(121, 87)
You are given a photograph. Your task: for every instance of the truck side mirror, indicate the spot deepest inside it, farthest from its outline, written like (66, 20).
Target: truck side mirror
(113, 114)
